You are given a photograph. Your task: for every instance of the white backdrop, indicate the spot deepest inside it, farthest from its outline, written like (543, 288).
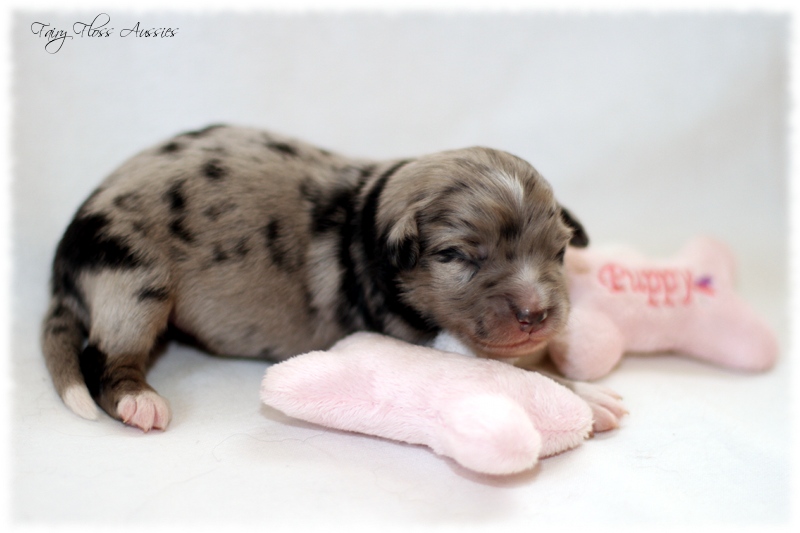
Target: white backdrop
(651, 128)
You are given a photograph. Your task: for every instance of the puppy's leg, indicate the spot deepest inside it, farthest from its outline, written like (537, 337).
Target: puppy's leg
(129, 309)
(606, 405)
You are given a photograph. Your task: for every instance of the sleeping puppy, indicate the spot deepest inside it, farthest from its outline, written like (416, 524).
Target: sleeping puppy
(258, 245)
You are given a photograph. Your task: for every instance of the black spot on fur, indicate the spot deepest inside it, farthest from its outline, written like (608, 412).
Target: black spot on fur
(129, 201)
(280, 252)
(86, 245)
(93, 366)
(219, 254)
(171, 148)
(214, 170)
(333, 214)
(175, 197)
(366, 171)
(158, 294)
(177, 228)
(510, 230)
(283, 148)
(203, 132)
(241, 249)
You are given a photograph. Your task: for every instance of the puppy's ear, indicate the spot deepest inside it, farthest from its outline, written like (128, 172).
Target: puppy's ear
(579, 237)
(402, 243)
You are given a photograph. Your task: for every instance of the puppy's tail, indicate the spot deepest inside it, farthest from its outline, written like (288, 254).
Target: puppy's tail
(63, 336)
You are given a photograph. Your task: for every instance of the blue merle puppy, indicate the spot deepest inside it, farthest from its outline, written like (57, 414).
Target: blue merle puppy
(257, 245)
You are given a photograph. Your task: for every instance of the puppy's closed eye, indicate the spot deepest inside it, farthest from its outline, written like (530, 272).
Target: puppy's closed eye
(452, 253)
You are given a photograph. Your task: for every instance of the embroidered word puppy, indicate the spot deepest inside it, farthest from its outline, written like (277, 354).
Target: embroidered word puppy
(624, 302)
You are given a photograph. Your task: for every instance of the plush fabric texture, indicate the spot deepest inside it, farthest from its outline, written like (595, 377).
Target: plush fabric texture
(487, 415)
(624, 302)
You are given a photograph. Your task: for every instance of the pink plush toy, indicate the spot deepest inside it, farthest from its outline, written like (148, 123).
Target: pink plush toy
(623, 302)
(495, 418)
(487, 415)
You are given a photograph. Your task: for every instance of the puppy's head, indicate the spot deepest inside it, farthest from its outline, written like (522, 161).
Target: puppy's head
(477, 240)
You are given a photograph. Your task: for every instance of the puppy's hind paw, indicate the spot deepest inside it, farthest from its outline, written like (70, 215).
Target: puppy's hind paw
(145, 410)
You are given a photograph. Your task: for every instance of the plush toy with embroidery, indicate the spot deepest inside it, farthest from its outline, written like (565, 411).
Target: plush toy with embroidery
(487, 415)
(624, 302)
(494, 418)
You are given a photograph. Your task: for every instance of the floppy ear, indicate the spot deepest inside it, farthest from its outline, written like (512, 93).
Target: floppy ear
(579, 237)
(402, 243)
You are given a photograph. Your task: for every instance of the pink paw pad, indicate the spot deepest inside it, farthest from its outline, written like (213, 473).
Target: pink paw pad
(146, 410)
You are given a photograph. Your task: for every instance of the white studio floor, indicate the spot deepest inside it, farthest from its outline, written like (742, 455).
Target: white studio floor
(700, 445)
(650, 128)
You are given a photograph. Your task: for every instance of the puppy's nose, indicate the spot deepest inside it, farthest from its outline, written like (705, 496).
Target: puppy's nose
(531, 320)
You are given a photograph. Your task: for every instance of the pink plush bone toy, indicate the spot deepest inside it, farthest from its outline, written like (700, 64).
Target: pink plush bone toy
(623, 302)
(487, 415)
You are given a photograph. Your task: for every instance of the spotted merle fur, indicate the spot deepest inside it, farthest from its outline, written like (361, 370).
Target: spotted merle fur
(374, 293)
(338, 245)
(279, 250)
(86, 245)
(129, 201)
(220, 255)
(178, 229)
(241, 249)
(214, 170)
(175, 196)
(171, 148)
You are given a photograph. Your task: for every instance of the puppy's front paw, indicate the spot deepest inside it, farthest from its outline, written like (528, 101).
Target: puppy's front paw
(606, 405)
(145, 410)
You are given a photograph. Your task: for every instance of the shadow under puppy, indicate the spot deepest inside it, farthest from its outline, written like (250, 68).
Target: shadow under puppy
(259, 245)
